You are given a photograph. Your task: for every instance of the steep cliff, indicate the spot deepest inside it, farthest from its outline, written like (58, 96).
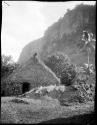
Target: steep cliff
(65, 35)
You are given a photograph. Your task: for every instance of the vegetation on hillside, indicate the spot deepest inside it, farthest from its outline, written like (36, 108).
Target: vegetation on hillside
(60, 64)
(7, 65)
(63, 44)
(7, 68)
(80, 77)
(56, 82)
(66, 34)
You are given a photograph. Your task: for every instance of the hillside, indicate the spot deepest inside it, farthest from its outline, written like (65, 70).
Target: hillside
(65, 36)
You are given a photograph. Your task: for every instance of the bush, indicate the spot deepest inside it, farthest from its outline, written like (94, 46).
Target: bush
(10, 88)
(68, 75)
(85, 83)
(61, 65)
(7, 68)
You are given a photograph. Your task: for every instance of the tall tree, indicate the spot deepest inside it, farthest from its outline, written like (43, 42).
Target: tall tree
(89, 43)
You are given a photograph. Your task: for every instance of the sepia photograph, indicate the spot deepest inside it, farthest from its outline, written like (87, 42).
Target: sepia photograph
(48, 73)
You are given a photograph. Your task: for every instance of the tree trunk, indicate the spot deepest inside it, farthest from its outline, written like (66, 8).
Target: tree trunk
(88, 58)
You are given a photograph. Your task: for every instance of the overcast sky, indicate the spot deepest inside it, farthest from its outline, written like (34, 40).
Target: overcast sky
(25, 21)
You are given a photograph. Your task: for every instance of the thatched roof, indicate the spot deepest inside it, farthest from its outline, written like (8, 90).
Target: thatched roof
(35, 72)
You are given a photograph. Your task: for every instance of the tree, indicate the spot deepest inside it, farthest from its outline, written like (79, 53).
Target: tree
(7, 65)
(61, 65)
(89, 43)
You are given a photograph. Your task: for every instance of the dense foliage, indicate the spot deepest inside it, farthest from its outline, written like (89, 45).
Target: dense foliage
(85, 82)
(7, 67)
(60, 64)
(80, 77)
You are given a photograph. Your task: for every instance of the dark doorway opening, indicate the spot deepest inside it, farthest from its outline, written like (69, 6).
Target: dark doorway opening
(25, 87)
(3, 93)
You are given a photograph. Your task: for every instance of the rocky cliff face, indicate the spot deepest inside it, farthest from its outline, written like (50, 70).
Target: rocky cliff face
(65, 35)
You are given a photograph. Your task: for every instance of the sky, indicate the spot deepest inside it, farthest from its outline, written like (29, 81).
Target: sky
(26, 21)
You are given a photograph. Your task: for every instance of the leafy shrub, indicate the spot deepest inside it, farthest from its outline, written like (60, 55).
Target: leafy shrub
(60, 64)
(85, 83)
(10, 88)
(7, 68)
(68, 75)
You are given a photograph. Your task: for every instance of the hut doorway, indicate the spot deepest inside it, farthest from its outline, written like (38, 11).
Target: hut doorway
(3, 93)
(25, 87)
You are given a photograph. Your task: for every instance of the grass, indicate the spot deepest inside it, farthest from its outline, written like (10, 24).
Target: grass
(39, 110)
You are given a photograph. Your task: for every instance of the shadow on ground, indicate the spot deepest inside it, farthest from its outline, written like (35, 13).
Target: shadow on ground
(86, 119)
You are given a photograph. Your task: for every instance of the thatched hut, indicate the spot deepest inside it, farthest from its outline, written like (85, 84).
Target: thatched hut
(33, 73)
